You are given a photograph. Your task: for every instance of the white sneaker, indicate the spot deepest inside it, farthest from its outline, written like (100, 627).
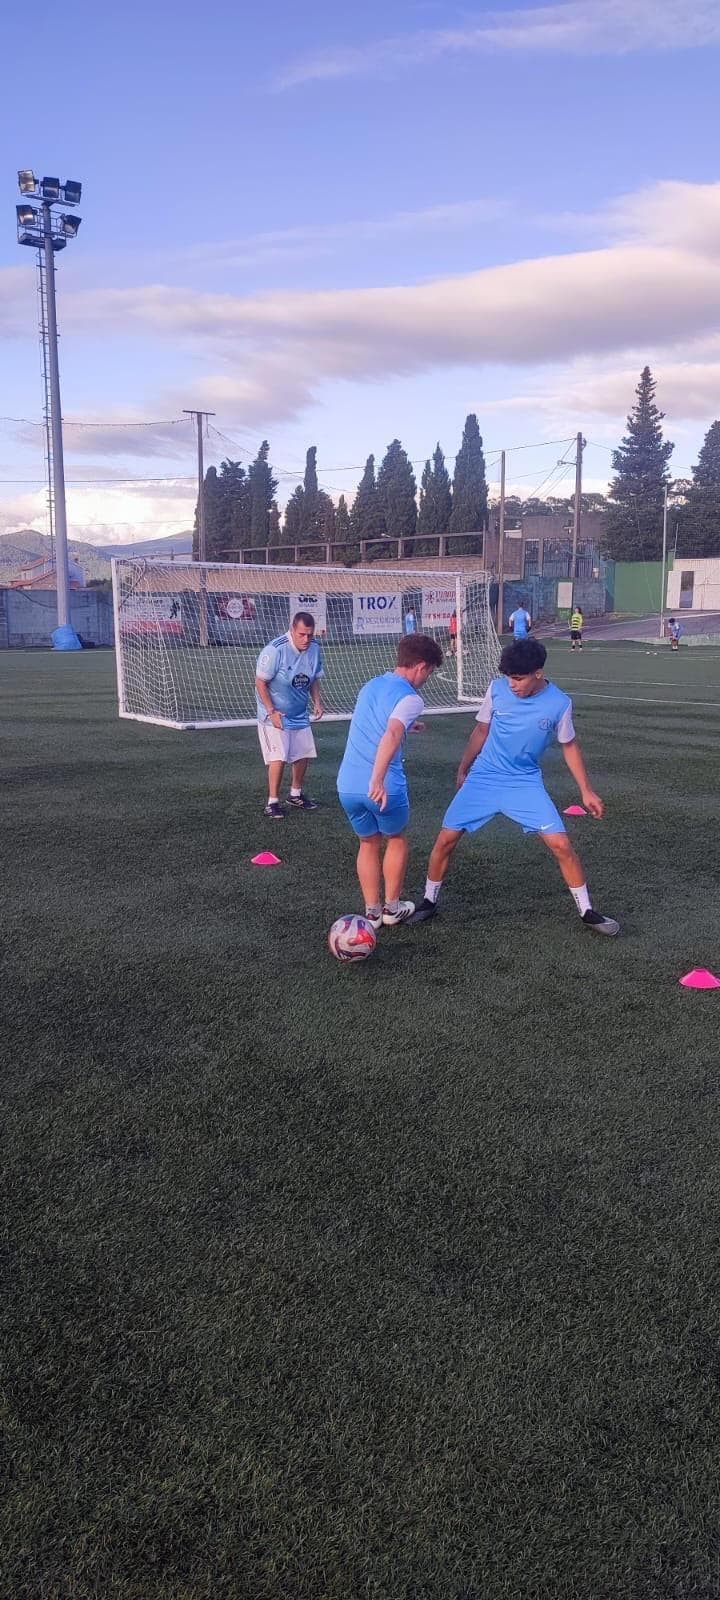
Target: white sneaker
(404, 910)
(375, 922)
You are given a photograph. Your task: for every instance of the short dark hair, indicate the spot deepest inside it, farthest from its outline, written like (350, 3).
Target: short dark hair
(671, 619)
(305, 617)
(416, 648)
(522, 657)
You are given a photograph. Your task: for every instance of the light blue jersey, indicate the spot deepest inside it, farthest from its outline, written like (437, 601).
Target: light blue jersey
(289, 674)
(520, 623)
(505, 778)
(379, 700)
(521, 730)
(675, 630)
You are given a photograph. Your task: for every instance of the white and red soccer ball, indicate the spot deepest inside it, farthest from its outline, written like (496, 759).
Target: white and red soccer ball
(351, 938)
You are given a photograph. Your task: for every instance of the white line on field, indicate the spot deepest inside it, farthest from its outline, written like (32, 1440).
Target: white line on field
(647, 683)
(647, 700)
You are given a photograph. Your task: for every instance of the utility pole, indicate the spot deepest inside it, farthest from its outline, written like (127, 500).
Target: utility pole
(579, 447)
(501, 547)
(202, 534)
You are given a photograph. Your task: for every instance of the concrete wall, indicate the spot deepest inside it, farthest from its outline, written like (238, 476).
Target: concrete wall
(705, 593)
(635, 586)
(27, 617)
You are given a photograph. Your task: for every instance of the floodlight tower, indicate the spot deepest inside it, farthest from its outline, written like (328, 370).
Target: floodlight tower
(46, 231)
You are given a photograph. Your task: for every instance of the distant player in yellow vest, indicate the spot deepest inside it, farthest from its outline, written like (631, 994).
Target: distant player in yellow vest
(576, 628)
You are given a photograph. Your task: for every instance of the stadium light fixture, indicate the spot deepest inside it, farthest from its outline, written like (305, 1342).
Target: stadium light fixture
(50, 189)
(27, 182)
(27, 216)
(72, 192)
(70, 226)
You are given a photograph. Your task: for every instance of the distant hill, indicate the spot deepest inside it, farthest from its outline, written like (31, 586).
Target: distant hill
(17, 550)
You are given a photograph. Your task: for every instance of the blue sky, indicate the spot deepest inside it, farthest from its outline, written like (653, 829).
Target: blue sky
(334, 227)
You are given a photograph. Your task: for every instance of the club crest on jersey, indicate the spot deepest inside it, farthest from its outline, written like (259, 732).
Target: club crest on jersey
(301, 681)
(546, 723)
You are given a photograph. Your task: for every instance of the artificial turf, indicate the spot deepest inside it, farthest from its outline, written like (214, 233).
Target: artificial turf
(389, 1282)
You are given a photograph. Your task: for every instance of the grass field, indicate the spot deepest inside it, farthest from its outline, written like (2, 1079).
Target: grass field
(396, 1282)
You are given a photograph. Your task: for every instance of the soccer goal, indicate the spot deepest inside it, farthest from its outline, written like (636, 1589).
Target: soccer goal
(188, 634)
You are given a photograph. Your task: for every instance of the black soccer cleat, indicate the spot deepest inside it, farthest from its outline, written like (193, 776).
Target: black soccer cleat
(274, 809)
(302, 802)
(599, 924)
(425, 913)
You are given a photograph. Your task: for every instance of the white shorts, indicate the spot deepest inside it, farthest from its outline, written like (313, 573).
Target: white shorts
(285, 744)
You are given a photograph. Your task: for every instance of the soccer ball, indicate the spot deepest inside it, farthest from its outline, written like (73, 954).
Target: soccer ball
(351, 938)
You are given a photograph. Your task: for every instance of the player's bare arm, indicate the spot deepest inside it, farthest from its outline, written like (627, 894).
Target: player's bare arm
(576, 764)
(275, 717)
(387, 748)
(472, 749)
(317, 705)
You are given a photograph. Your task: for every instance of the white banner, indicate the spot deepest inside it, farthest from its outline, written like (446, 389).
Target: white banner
(238, 608)
(377, 613)
(438, 606)
(316, 604)
(151, 614)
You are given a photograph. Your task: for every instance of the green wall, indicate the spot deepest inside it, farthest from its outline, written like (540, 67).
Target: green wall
(635, 586)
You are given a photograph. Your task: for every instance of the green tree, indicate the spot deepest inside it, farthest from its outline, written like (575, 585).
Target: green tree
(366, 518)
(348, 552)
(435, 508)
(396, 494)
(699, 517)
(227, 512)
(275, 526)
(635, 513)
(294, 520)
(469, 490)
(263, 485)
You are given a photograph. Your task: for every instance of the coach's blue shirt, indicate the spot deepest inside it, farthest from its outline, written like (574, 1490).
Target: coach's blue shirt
(289, 674)
(520, 623)
(379, 700)
(521, 730)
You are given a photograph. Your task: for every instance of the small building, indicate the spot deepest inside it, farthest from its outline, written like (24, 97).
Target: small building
(42, 575)
(694, 584)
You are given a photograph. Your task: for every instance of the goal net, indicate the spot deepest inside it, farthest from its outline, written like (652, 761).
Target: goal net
(187, 635)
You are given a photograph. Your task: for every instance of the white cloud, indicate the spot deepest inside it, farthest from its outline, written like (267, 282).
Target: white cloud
(576, 27)
(323, 239)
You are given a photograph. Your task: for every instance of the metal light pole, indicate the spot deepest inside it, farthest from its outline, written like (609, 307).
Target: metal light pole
(61, 549)
(45, 231)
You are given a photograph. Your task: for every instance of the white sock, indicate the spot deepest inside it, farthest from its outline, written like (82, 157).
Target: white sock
(392, 906)
(432, 889)
(273, 800)
(582, 899)
(373, 911)
(295, 792)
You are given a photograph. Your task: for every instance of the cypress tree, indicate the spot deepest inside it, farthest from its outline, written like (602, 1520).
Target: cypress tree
(700, 516)
(469, 490)
(635, 511)
(366, 518)
(435, 508)
(396, 493)
(263, 484)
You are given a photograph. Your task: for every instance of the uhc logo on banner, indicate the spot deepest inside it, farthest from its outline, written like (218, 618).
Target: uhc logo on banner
(376, 613)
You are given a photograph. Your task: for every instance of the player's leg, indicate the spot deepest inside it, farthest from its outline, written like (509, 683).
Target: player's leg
(473, 805)
(392, 823)
(573, 873)
(369, 871)
(302, 749)
(440, 857)
(273, 745)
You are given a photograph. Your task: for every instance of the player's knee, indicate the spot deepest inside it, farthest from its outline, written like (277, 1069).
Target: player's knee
(560, 845)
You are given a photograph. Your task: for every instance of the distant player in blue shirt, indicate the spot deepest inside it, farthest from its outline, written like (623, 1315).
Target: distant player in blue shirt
(371, 782)
(499, 774)
(287, 680)
(520, 622)
(675, 631)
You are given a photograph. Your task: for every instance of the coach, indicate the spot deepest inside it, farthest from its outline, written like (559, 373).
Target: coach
(287, 679)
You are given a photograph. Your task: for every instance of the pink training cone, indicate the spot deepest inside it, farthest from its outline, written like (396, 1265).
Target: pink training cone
(700, 978)
(266, 859)
(575, 811)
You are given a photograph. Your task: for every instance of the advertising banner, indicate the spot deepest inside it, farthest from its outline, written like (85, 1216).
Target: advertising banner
(377, 613)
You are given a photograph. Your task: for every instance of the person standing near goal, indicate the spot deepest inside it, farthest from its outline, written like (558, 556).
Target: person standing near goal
(499, 775)
(576, 628)
(287, 681)
(372, 785)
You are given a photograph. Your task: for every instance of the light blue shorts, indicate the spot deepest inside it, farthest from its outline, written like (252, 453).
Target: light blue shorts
(367, 818)
(485, 795)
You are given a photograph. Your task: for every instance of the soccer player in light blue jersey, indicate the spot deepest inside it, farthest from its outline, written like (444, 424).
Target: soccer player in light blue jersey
(287, 679)
(520, 622)
(372, 784)
(499, 775)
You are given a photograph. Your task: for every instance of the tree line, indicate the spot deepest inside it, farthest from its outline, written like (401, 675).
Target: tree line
(242, 513)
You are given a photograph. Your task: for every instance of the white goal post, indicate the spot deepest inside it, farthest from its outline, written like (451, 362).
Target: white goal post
(188, 634)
